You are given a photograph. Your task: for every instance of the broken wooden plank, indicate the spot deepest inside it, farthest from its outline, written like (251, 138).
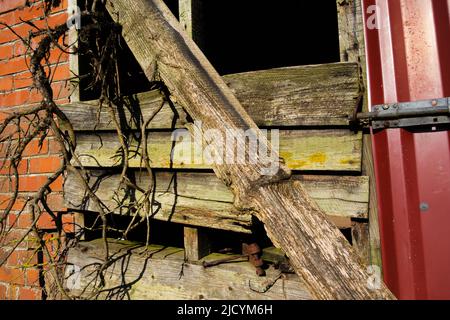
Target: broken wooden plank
(187, 208)
(318, 95)
(156, 276)
(203, 200)
(322, 150)
(318, 252)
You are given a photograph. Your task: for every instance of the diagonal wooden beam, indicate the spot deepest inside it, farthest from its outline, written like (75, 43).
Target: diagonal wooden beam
(318, 251)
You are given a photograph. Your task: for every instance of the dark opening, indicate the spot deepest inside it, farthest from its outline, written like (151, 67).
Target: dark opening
(240, 36)
(162, 233)
(173, 6)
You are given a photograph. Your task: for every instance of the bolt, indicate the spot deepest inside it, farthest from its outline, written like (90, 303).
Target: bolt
(385, 107)
(424, 207)
(434, 103)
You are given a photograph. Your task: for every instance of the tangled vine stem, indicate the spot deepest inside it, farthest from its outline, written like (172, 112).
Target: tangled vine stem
(38, 122)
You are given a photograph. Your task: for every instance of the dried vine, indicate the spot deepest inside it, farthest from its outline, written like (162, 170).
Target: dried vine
(99, 40)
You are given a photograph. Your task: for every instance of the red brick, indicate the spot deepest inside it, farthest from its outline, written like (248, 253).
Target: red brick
(8, 18)
(12, 275)
(57, 56)
(6, 5)
(16, 98)
(6, 51)
(17, 206)
(68, 222)
(23, 80)
(20, 48)
(61, 90)
(60, 72)
(44, 165)
(23, 29)
(22, 258)
(14, 65)
(46, 222)
(56, 202)
(33, 148)
(57, 185)
(31, 183)
(32, 276)
(6, 170)
(30, 294)
(13, 237)
(22, 221)
(3, 290)
(6, 83)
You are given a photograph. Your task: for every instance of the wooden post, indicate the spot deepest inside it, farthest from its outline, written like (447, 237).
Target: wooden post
(196, 244)
(195, 239)
(319, 253)
(352, 46)
(191, 19)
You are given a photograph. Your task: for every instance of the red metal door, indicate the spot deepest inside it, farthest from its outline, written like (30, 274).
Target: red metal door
(408, 57)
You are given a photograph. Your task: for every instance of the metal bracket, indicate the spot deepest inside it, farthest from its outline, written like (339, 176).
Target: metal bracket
(408, 114)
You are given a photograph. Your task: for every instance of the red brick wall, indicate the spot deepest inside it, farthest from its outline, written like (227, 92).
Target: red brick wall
(19, 277)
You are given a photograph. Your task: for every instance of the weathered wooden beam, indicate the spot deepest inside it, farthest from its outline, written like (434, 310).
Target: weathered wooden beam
(319, 253)
(352, 45)
(156, 276)
(319, 95)
(203, 200)
(321, 150)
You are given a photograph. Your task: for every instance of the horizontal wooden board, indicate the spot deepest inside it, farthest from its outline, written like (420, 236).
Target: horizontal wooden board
(322, 150)
(315, 95)
(157, 276)
(201, 199)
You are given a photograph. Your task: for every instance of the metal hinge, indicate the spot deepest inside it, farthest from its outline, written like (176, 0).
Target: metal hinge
(433, 112)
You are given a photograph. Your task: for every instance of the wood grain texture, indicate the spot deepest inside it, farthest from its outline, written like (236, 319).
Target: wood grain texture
(157, 276)
(351, 40)
(318, 95)
(322, 150)
(200, 194)
(319, 253)
(196, 244)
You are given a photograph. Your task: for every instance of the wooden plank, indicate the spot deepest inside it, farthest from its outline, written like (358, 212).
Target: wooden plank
(196, 244)
(322, 150)
(351, 39)
(321, 256)
(163, 274)
(203, 200)
(319, 95)
(187, 208)
(298, 96)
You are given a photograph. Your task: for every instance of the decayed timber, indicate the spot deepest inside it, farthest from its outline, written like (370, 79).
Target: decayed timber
(203, 200)
(352, 45)
(156, 276)
(318, 95)
(330, 150)
(319, 253)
